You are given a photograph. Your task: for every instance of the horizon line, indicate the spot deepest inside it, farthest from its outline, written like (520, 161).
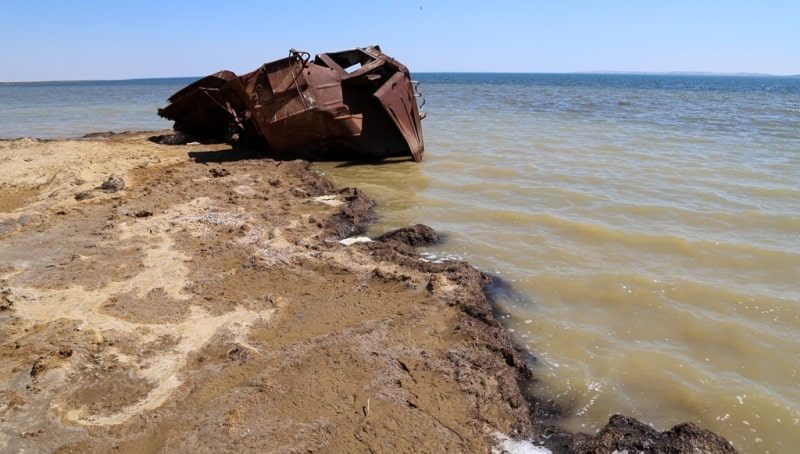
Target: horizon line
(601, 72)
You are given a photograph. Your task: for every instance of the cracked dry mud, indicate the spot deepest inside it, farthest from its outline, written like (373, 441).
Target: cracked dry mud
(192, 298)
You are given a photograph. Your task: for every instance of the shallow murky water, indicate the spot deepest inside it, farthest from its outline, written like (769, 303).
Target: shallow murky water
(648, 226)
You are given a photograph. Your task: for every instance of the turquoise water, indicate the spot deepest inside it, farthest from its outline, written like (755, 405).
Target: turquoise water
(647, 226)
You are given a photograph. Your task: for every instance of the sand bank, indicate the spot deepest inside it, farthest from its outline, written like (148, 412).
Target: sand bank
(196, 298)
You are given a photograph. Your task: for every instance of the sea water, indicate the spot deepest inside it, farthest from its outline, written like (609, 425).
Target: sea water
(647, 228)
(71, 109)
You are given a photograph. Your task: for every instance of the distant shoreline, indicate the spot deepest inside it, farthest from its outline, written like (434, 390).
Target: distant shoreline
(610, 72)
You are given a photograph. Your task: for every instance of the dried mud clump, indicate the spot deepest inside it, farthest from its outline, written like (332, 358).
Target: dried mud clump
(623, 433)
(416, 235)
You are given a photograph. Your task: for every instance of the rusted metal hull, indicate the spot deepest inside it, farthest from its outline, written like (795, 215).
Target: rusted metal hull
(359, 101)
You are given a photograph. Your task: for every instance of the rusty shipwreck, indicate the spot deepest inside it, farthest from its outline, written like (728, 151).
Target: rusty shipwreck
(358, 102)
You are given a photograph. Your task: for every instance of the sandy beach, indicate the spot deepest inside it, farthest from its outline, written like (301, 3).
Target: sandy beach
(198, 298)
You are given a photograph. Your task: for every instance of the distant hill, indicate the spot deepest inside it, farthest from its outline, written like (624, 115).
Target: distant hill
(689, 73)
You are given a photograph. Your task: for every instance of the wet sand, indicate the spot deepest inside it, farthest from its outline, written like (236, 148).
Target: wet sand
(197, 298)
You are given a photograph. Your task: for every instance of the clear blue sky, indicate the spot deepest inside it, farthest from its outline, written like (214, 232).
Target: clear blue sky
(78, 39)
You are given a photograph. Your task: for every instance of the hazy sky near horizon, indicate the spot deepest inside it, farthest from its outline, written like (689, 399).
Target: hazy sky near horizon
(80, 39)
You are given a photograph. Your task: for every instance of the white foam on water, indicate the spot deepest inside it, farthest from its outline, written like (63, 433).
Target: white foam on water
(510, 446)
